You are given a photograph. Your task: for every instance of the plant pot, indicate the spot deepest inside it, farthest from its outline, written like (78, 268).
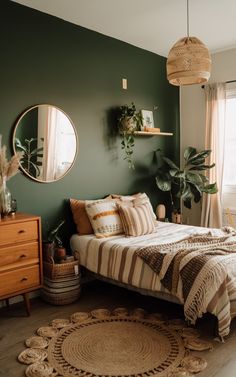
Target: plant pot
(176, 218)
(129, 124)
(60, 254)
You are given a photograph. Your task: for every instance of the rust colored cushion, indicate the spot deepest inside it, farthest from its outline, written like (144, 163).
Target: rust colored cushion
(80, 217)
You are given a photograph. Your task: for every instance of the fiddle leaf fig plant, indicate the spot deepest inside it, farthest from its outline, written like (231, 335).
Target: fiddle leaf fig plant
(129, 121)
(31, 155)
(188, 183)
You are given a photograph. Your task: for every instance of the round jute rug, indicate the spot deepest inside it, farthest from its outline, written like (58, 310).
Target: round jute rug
(101, 343)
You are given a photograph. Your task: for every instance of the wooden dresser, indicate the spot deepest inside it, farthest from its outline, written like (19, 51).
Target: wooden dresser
(20, 256)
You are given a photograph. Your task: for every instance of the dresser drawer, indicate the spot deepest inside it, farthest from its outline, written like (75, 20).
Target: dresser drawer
(18, 232)
(19, 280)
(19, 253)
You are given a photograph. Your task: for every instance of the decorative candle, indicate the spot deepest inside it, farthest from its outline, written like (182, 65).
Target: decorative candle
(161, 211)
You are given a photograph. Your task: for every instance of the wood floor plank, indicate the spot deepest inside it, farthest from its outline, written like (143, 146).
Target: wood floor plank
(15, 326)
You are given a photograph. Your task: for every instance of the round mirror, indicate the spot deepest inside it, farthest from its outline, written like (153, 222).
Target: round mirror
(48, 141)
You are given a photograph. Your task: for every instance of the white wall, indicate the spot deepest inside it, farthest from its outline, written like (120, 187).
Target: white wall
(192, 113)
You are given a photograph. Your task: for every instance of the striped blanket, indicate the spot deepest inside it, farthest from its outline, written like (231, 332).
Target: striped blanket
(116, 258)
(196, 271)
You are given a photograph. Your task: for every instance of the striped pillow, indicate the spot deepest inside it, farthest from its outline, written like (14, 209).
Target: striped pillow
(127, 199)
(104, 217)
(137, 219)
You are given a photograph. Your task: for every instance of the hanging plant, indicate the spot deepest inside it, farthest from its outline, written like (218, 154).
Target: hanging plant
(129, 121)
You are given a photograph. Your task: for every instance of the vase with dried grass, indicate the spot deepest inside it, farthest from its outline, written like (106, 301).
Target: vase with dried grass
(7, 170)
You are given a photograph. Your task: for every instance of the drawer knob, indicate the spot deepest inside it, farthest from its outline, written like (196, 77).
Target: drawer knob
(23, 256)
(24, 279)
(21, 231)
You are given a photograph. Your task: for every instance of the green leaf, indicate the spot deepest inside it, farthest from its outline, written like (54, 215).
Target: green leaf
(170, 163)
(19, 145)
(190, 151)
(21, 148)
(163, 182)
(36, 150)
(173, 172)
(188, 203)
(202, 167)
(198, 161)
(203, 177)
(187, 193)
(180, 174)
(196, 191)
(194, 178)
(210, 189)
(201, 155)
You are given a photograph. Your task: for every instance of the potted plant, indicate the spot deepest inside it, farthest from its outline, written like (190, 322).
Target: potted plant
(129, 121)
(53, 246)
(188, 183)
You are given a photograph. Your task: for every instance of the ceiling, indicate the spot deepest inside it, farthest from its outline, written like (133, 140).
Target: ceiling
(154, 25)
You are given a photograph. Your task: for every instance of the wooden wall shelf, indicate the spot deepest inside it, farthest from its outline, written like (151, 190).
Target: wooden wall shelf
(145, 133)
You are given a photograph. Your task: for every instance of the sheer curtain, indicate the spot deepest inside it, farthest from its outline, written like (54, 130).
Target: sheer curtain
(50, 155)
(214, 139)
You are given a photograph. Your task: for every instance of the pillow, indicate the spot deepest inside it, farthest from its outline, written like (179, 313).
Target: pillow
(136, 219)
(123, 197)
(80, 217)
(104, 217)
(128, 198)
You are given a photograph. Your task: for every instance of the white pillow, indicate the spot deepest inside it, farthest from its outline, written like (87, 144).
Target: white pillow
(104, 217)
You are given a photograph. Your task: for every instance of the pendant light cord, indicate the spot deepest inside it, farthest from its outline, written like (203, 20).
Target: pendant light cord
(187, 19)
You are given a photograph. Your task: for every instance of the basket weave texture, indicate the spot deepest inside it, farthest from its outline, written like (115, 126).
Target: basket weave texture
(59, 270)
(61, 283)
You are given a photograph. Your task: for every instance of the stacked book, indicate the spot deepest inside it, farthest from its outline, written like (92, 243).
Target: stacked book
(152, 129)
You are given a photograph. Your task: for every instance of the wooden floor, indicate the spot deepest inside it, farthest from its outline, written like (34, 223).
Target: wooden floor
(15, 327)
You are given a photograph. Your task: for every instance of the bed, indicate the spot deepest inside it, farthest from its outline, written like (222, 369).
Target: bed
(117, 259)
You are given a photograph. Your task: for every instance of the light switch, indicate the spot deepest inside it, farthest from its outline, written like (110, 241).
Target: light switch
(124, 84)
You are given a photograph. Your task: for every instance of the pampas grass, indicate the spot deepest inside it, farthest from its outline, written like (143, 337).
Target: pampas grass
(8, 168)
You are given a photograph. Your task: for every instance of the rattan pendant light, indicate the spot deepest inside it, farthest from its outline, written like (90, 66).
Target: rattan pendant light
(189, 61)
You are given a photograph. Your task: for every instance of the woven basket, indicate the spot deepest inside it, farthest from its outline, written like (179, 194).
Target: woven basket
(61, 284)
(59, 270)
(61, 292)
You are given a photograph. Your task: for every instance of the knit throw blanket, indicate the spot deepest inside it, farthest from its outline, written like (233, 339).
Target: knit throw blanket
(196, 271)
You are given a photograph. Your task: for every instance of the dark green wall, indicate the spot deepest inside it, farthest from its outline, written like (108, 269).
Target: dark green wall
(47, 60)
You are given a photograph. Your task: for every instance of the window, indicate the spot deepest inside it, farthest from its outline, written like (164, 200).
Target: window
(229, 178)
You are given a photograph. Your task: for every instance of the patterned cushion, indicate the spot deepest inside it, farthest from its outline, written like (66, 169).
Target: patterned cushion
(80, 217)
(137, 218)
(128, 198)
(104, 217)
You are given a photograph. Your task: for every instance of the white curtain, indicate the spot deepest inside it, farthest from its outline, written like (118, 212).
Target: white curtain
(214, 139)
(50, 155)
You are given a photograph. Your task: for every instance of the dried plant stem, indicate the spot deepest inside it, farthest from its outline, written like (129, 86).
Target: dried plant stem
(8, 168)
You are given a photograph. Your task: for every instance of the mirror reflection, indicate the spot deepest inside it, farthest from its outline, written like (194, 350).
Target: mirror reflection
(47, 139)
